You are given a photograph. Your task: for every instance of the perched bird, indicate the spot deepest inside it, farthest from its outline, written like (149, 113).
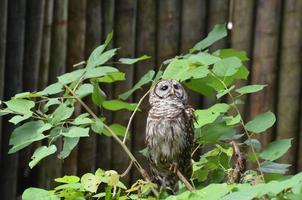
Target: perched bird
(169, 134)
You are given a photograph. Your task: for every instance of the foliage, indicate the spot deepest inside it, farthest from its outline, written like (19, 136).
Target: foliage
(49, 115)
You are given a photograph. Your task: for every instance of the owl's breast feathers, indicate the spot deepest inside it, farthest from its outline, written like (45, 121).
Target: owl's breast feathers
(170, 136)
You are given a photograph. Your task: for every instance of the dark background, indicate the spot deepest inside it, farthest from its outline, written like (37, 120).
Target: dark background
(40, 39)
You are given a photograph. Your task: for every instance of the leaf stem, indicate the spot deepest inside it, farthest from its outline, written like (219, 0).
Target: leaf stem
(241, 122)
(132, 115)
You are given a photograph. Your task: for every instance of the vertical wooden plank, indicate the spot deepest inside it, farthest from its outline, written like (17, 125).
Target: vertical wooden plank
(217, 14)
(290, 78)
(52, 166)
(193, 27)
(145, 44)
(93, 39)
(125, 17)
(13, 76)
(75, 54)
(32, 49)
(168, 30)
(242, 34)
(104, 156)
(3, 18)
(45, 48)
(265, 59)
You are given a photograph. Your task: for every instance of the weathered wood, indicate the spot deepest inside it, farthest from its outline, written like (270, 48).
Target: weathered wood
(52, 166)
(242, 35)
(75, 54)
(3, 23)
(217, 14)
(265, 59)
(125, 20)
(13, 76)
(192, 31)
(45, 48)
(289, 86)
(168, 30)
(145, 44)
(104, 156)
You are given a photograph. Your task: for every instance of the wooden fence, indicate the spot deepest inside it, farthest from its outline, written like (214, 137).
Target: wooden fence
(40, 39)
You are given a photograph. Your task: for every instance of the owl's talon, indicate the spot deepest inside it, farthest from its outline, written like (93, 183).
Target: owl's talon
(174, 167)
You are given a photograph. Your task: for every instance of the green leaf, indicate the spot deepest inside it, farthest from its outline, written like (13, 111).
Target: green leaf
(53, 89)
(68, 179)
(118, 129)
(221, 93)
(89, 182)
(25, 95)
(98, 60)
(227, 66)
(41, 153)
(97, 126)
(218, 32)
(272, 167)
(207, 116)
(177, 69)
(115, 105)
(196, 73)
(261, 122)
(130, 61)
(99, 71)
(147, 78)
(98, 95)
(225, 53)
(203, 58)
(71, 76)
(276, 149)
(19, 118)
(51, 102)
(254, 143)
(230, 120)
(63, 112)
(82, 119)
(69, 144)
(199, 86)
(27, 134)
(250, 89)
(37, 194)
(84, 90)
(74, 132)
(112, 77)
(22, 106)
(95, 55)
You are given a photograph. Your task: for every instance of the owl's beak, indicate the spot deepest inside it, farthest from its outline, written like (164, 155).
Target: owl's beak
(172, 93)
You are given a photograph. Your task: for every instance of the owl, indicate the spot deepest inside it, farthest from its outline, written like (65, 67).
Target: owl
(169, 134)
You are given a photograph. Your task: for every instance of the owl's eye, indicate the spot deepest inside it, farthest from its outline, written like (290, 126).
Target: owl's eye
(175, 86)
(164, 87)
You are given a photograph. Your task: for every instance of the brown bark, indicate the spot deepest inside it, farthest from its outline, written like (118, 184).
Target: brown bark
(265, 59)
(13, 75)
(146, 34)
(124, 27)
(290, 78)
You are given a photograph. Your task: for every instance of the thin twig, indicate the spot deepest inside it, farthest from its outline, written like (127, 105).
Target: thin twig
(128, 169)
(242, 124)
(131, 156)
(185, 181)
(194, 151)
(132, 115)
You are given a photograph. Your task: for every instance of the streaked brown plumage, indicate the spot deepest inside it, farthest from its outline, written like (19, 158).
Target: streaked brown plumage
(169, 134)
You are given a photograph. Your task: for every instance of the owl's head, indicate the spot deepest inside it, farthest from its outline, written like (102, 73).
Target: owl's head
(170, 90)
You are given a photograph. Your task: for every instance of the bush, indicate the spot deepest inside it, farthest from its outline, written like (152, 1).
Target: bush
(218, 174)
